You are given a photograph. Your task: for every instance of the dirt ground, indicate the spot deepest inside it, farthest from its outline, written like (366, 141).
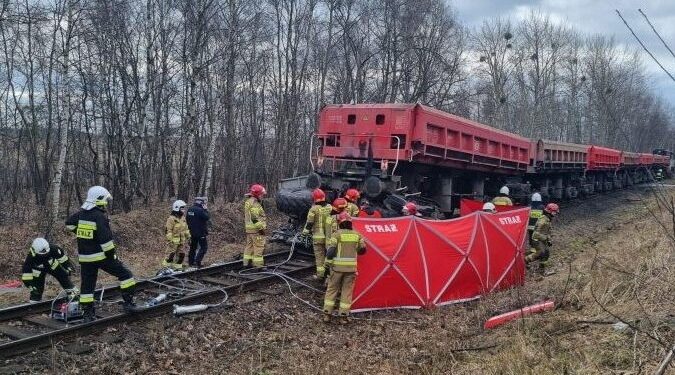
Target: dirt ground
(613, 262)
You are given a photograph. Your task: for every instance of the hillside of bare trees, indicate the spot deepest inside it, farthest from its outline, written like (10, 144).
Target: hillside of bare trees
(161, 98)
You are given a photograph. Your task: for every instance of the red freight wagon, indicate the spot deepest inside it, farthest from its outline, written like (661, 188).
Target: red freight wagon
(552, 155)
(646, 159)
(630, 158)
(603, 158)
(418, 133)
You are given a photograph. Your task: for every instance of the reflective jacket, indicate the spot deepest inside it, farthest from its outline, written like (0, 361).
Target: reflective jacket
(316, 219)
(352, 209)
(542, 230)
(502, 200)
(254, 216)
(54, 262)
(94, 237)
(330, 226)
(346, 244)
(536, 211)
(177, 230)
(197, 219)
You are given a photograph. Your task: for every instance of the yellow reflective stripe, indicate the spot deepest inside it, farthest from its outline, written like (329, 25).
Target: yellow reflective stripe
(536, 214)
(55, 265)
(344, 262)
(320, 268)
(329, 303)
(86, 298)
(91, 257)
(84, 224)
(128, 283)
(71, 227)
(248, 257)
(63, 259)
(349, 237)
(37, 273)
(345, 306)
(32, 252)
(108, 245)
(27, 276)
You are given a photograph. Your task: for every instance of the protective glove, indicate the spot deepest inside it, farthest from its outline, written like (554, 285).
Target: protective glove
(331, 252)
(261, 232)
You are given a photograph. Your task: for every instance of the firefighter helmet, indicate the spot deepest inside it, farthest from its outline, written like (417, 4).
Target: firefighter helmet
(40, 246)
(352, 195)
(504, 190)
(340, 204)
(343, 216)
(536, 197)
(178, 205)
(410, 208)
(97, 196)
(552, 208)
(257, 191)
(318, 195)
(489, 207)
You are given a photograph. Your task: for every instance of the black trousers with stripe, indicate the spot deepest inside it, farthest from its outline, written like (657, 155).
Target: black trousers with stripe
(111, 265)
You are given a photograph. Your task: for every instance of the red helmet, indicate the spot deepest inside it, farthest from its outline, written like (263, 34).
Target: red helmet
(340, 204)
(257, 190)
(552, 208)
(410, 208)
(343, 216)
(318, 195)
(352, 195)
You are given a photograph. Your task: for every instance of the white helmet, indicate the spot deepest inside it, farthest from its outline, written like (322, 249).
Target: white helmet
(40, 246)
(504, 190)
(177, 205)
(97, 196)
(536, 197)
(489, 207)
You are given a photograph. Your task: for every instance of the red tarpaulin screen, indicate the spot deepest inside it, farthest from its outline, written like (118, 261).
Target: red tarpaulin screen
(414, 263)
(468, 206)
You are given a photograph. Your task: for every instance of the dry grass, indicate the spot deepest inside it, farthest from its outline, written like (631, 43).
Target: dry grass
(611, 261)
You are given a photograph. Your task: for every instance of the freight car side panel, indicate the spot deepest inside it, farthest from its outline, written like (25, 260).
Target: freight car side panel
(444, 138)
(630, 159)
(602, 158)
(552, 155)
(646, 159)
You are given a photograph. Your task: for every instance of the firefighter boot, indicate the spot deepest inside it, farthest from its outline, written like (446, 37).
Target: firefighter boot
(326, 317)
(89, 312)
(129, 305)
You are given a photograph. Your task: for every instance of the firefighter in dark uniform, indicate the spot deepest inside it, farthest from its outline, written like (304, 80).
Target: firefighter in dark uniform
(44, 258)
(541, 237)
(96, 250)
(197, 218)
(343, 247)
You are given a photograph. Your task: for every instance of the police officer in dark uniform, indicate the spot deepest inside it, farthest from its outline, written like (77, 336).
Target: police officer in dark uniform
(96, 250)
(197, 220)
(42, 259)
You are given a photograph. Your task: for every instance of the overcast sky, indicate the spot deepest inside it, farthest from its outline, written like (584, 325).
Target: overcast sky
(595, 17)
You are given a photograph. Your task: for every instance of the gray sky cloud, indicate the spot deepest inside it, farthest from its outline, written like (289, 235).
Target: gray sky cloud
(595, 17)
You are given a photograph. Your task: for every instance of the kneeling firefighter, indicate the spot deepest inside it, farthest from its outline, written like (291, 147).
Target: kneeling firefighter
(44, 258)
(343, 247)
(255, 223)
(96, 250)
(177, 236)
(541, 237)
(316, 221)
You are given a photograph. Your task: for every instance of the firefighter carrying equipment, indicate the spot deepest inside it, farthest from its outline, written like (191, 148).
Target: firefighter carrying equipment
(343, 248)
(255, 223)
(316, 224)
(54, 261)
(177, 237)
(96, 250)
(97, 196)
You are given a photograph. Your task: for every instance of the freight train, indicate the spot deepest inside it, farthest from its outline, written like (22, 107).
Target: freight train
(395, 153)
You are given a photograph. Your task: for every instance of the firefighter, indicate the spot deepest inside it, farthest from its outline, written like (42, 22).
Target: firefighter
(339, 205)
(44, 258)
(489, 207)
(96, 250)
(255, 223)
(410, 209)
(541, 237)
(367, 210)
(352, 196)
(197, 219)
(659, 174)
(177, 236)
(502, 199)
(343, 247)
(315, 224)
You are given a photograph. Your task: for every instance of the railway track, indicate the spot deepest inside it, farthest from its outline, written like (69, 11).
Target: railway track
(29, 326)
